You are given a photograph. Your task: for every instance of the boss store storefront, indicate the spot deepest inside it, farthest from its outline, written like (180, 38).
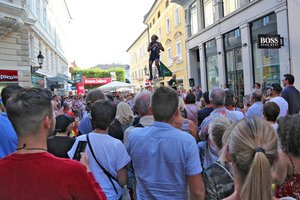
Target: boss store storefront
(232, 56)
(265, 51)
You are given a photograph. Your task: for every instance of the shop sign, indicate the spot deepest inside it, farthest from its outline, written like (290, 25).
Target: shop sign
(96, 81)
(267, 41)
(9, 76)
(80, 88)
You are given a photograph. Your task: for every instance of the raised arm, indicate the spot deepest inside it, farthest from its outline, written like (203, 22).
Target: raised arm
(161, 46)
(150, 46)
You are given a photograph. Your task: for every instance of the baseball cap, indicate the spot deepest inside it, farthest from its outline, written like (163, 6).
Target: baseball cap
(62, 122)
(276, 87)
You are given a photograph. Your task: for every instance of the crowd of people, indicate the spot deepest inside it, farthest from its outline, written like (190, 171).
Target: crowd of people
(165, 144)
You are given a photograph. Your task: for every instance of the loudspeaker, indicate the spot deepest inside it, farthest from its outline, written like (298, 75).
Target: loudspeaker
(192, 82)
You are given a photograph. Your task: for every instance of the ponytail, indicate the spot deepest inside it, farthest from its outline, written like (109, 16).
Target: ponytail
(253, 149)
(258, 181)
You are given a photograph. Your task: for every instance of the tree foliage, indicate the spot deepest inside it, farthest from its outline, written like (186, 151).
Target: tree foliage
(99, 73)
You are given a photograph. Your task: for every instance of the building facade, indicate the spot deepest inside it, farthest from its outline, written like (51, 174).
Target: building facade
(224, 44)
(28, 27)
(166, 20)
(139, 58)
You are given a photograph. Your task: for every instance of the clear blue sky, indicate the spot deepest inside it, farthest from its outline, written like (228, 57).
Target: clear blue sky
(101, 31)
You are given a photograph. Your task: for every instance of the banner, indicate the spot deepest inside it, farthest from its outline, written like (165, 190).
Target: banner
(95, 81)
(9, 76)
(164, 70)
(80, 88)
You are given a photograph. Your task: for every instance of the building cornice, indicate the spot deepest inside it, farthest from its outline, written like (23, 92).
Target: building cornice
(12, 18)
(150, 11)
(11, 9)
(140, 36)
(180, 2)
(9, 24)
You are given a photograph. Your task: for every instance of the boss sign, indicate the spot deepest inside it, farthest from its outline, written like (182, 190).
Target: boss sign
(269, 41)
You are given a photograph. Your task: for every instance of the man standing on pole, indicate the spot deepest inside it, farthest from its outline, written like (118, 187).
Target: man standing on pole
(154, 48)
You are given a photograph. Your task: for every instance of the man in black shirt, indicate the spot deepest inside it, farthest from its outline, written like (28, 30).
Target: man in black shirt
(291, 94)
(173, 82)
(205, 112)
(61, 143)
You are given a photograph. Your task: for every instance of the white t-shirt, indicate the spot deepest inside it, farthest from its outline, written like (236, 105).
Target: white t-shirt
(283, 105)
(275, 126)
(112, 155)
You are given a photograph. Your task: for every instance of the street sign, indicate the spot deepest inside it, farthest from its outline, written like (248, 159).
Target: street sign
(78, 78)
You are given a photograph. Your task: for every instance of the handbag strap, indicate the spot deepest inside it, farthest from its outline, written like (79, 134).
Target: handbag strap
(192, 111)
(229, 174)
(110, 177)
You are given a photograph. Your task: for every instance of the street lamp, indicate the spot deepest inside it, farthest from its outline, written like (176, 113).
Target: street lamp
(40, 58)
(146, 71)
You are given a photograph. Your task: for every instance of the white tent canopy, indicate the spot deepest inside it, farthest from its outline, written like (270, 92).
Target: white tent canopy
(115, 85)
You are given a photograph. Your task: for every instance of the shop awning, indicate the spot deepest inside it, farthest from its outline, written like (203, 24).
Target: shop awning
(59, 79)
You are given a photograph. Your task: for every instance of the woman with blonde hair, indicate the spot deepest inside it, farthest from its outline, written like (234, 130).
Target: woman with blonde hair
(124, 115)
(218, 178)
(252, 150)
(209, 149)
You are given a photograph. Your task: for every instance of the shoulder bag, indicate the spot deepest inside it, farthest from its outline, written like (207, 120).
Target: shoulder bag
(110, 177)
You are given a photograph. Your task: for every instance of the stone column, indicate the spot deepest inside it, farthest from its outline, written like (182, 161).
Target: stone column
(200, 15)
(192, 64)
(203, 78)
(282, 27)
(243, 2)
(247, 57)
(218, 6)
(221, 61)
(187, 14)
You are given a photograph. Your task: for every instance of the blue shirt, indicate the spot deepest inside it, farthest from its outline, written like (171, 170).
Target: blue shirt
(208, 155)
(255, 110)
(216, 113)
(85, 125)
(162, 158)
(8, 136)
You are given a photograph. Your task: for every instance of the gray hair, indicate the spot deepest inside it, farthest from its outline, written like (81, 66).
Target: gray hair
(217, 96)
(142, 102)
(256, 95)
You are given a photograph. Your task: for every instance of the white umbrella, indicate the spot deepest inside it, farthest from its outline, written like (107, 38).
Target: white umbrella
(115, 85)
(123, 89)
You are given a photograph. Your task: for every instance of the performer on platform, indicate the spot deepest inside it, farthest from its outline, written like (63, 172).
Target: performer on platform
(154, 48)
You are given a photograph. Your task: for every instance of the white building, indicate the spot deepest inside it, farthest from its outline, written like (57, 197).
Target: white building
(223, 37)
(26, 28)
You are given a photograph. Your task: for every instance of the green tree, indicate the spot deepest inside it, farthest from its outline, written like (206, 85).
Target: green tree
(98, 73)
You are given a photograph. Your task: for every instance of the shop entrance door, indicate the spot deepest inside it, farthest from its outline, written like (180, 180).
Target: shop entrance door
(234, 72)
